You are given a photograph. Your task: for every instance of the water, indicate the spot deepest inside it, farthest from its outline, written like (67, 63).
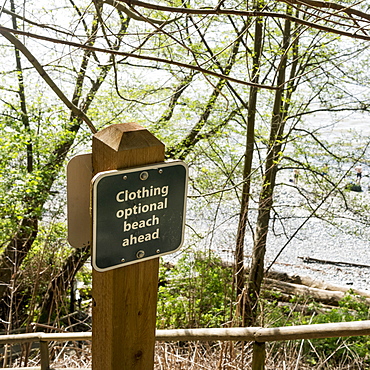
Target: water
(347, 241)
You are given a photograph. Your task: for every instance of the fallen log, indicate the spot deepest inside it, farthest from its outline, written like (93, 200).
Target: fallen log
(329, 297)
(326, 293)
(284, 299)
(315, 283)
(337, 263)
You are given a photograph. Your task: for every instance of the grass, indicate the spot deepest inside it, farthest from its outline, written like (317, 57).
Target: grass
(290, 355)
(196, 293)
(228, 356)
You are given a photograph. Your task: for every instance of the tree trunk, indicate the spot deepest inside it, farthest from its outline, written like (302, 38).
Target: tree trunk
(60, 284)
(248, 158)
(266, 196)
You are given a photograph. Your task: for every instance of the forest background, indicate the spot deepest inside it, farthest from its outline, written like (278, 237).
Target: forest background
(232, 88)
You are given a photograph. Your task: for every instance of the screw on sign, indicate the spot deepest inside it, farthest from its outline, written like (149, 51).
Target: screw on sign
(138, 213)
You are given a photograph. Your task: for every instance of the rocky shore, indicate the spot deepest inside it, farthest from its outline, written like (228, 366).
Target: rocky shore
(321, 250)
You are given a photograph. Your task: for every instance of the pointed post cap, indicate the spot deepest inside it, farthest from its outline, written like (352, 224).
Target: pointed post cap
(124, 145)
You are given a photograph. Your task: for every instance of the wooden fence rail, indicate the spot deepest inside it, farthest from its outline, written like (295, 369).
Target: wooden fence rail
(258, 335)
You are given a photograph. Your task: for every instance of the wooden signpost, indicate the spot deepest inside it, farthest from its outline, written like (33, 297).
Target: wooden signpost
(125, 299)
(138, 214)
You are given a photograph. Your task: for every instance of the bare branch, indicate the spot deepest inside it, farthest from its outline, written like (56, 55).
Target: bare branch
(329, 5)
(123, 8)
(243, 13)
(29, 21)
(39, 68)
(9, 31)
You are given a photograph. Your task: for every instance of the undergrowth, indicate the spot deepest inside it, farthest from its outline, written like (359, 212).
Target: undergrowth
(197, 292)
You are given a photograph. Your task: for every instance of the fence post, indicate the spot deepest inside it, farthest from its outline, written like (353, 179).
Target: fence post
(44, 353)
(259, 356)
(125, 299)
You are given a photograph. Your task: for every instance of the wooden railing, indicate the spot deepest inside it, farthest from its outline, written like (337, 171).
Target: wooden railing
(259, 336)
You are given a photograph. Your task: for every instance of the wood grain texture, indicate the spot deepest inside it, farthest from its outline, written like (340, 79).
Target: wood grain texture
(125, 299)
(259, 356)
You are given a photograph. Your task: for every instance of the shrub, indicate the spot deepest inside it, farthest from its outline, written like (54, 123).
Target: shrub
(196, 292)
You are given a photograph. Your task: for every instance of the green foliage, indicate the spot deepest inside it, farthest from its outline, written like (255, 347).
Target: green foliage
(351, 308)
(43, 262)
(300, 312)
(195, 293)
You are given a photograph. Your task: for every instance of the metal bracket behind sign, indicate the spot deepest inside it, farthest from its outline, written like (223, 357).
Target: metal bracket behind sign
(79, 174)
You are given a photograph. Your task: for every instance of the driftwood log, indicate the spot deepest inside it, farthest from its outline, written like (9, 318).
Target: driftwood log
(325, 293)
(315, 283)
(289, 286)
(336, 263)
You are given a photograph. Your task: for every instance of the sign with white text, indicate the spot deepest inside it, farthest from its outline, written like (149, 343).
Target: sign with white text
(138, 214)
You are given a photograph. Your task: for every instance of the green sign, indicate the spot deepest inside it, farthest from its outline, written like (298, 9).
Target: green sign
(138, 214)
